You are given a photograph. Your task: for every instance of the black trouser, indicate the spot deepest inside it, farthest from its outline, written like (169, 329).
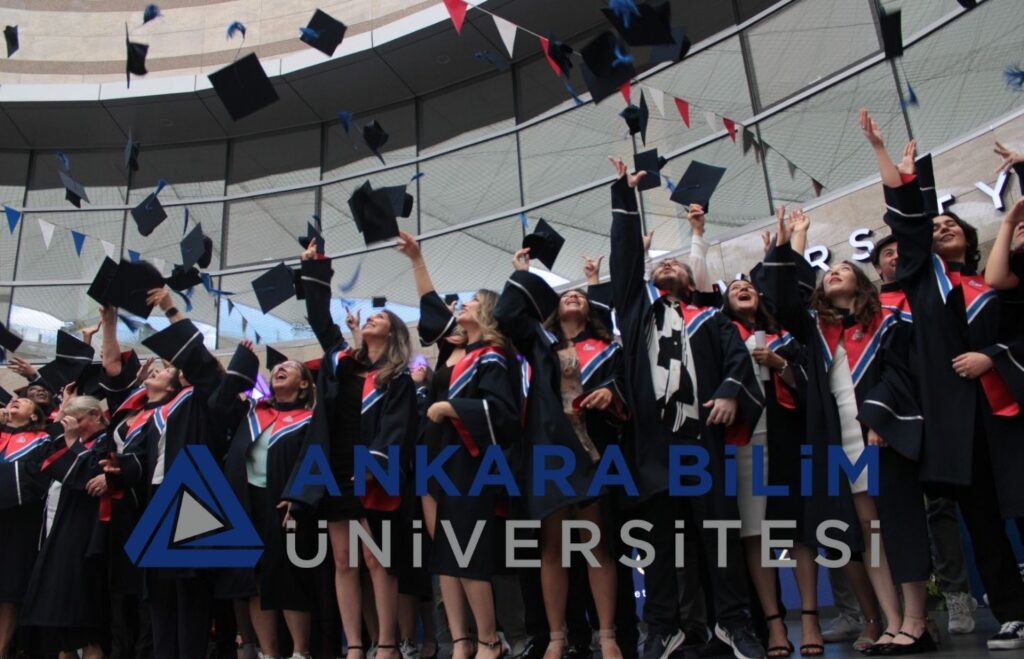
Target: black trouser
(130, 633)
(180, 613)
(993, 554)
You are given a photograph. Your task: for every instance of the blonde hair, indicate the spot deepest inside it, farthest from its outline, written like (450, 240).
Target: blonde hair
(80, 405)
(489, 332)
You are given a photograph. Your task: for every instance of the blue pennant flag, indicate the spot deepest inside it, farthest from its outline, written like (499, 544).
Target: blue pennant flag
(417, 175)
(346, 120)
(130, 323)
(911, 98)
(134, 256)
(13, 217)
(621, 58)
(670, 185)
(208, 285)
(79, 239)
(231, 306)
(1014, 75)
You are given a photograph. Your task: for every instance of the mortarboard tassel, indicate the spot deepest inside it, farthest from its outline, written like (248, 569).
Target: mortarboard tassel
(149, 13)
(347, 286)
(65, 162)
(624, 9)
(572, 92)
(310, 33)
(346, 120)
(187, 298)
(670, 185)
(417, 176)
(622, 58)
(235, 27)
(910, 100)
(1014, 75)
(208, 285)
(524, 220)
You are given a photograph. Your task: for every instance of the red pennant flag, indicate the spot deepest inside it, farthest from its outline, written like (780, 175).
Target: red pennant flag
(730, 126)
(627, 91)
(457, 10)
(684, 111)
(554, 65)
(818, 187)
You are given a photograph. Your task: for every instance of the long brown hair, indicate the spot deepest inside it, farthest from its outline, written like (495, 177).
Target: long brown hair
(594, 324)
(866, 305)
(489, 332)
(41, 417)
(396, 352)
(305, 396)
(763, 318)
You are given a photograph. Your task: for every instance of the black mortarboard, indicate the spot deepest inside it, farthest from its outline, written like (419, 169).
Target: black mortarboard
(74, 191)
(183, 278)
(968, 4)
(101, 282)
(374, 213)
(545, 243)
(672, 52)
(648, 161)
(378, 302)
(243, 87)
(130, 286)
(274, 357)
(72, 358)
(312, 234)
(5, 397)
(196, 248)
(169, 343)
(375, 137)
(396, 198)
(324, 32)
(274, 287)
(245, 364)
(926, 180)
(607, 66)
(8, 340)
(71, 348)
(652, 27)
(88, 383)
(698, 184)
(637, 117)
(131, 154)
(149, 214)
(892, 33)
(136, 58)
(561, 54)
(451, 297)
(11, 37)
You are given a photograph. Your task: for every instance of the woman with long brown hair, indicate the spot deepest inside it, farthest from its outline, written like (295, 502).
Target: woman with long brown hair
(367, 397)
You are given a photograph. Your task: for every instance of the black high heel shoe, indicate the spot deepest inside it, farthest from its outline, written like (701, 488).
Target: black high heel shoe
(493, 645)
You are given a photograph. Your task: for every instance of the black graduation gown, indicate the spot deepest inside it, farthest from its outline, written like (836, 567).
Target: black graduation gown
(388, 417)
(956, 312)
(520, 313)
(882, 384)
(67, 595)
(722, 365)
(22, 489)
(282, 585)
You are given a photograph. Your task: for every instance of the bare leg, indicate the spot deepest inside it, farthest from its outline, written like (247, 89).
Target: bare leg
(457, 610)
(915, 612)
(881, 580)
(860, 584)
(426, 611)
(429, 513)
(298, 627)
(407, 605)
(347, 589)
(8, 623)
(806, 573)
(554, 580)
(92, 652)
(768, 594)
(481, 602)
(265, 624)
(385, 595)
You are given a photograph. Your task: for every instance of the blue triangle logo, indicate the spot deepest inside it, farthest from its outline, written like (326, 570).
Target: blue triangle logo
(194, 520)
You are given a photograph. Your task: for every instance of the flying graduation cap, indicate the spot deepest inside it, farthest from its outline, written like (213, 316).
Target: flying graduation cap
(637, 117)
(136, 58)
(671, 52)
(8, 340)
(375, 137)
(149, 214)
(643, 25)
(243, 87)
(652, 163)
(606, 66)
(559, 55)
(324, 32)
(196, 248)
(313, 233)
(698, 184)
(544, 243)
(376, 212)
(73, 357)
(126, 285)
(274, 287)
(892, 33)
(73, 190)
(11, 37)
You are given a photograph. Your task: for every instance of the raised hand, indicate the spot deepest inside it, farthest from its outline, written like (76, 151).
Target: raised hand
(144, 371)
(1015, 215)
(521, 259)
(407, 245)
(799, 221)
(23, 368)
(766, 239)
(352, 319)
(871, 130)
(592, 269)
(309, 254)
(1010, 158)
(622, 170)
(695, 216)
(782, 229)
(89, 332)
(247, 344)
(159, 297)
(908, 165)
(648, 238)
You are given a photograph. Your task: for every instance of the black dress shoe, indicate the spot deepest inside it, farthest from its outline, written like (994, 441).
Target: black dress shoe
(876, 649)
(922, 643)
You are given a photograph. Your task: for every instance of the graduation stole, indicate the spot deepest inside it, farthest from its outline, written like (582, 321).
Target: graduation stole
(896, 302)
(773, 342)
(164, 412)
(592, 354)
(376, 498)
(15, 445)
(466, 367)
(263, 415)
(861, 346)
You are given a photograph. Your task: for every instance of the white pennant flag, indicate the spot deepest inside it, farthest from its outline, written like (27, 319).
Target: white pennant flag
(47, 230)
(658, 97)
(108, 248)
(507, 31)
(159, 264)
(709, 117)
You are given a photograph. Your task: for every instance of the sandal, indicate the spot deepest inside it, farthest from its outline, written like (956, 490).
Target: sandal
(556, 639)
(357, 648)
(779, 651)
(496, 644)
(606, 637)
(812, 649)
(466, 639)
(863, 642)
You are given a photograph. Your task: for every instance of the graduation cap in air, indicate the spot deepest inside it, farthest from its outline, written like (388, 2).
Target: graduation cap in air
(926, 180)
(183, 278)
(671, 52)
(73, 190)
(606, 66)
(274, 287)
(136, 58)
(243, 87)
(88, 383)
(149, 214)
(170, 343)
(275, 357)
(378, 302)
(245, 364)
(129, 286)
(560, 53)
(652, 163)
(8, 340)
(545, 243)
(11, 37)
(196, 248)
(636, 118)
(376, 212)
(101, 282)
(892, 33)
(312, 233)
(375, 137)
(324, 32)
(131, 154)
(72, 358)
(451, 298)
(698, 184)
(649, 25)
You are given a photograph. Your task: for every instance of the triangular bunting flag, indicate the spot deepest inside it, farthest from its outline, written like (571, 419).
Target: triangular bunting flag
(108, 248)
(245, 324)
(257, 336)
(134, 256)
(231, 306)
(627, 91)
(658, 97)
(792, 168)
(13, 216)
(684, 111)
(457, 10)
(46, 229)
(730, 126)
(544, 49)
(79, 239)
(523, 220)
(709, 119)
(507, 32)
(748, 140)
(818, 187)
